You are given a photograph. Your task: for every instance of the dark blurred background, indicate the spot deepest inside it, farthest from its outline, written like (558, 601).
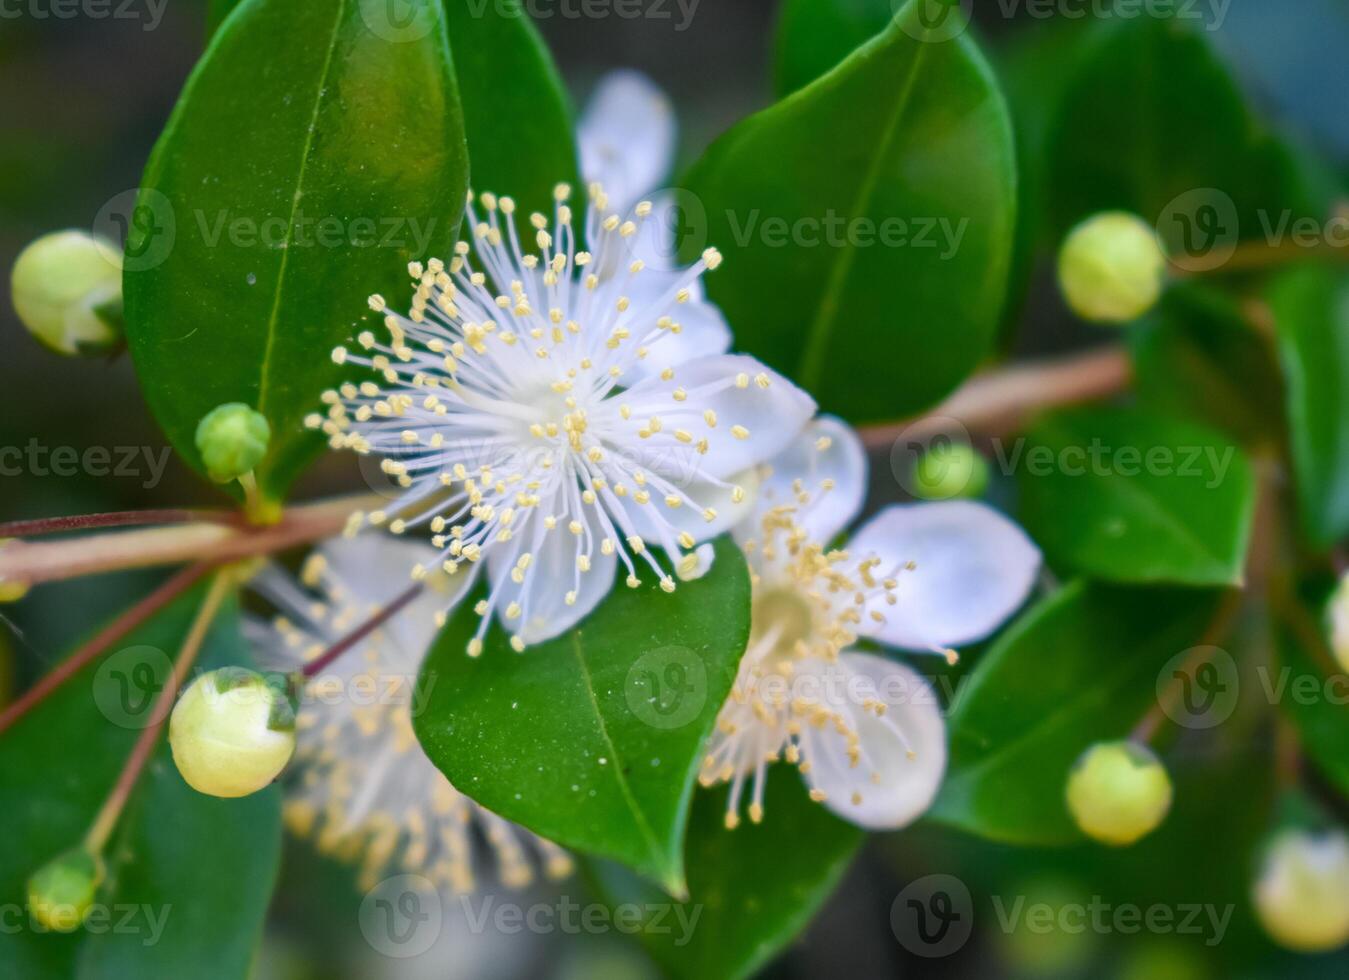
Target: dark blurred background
(82, 102)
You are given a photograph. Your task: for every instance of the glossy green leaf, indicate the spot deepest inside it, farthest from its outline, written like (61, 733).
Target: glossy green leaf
(815, 35)
(516, 112)
(751, 890)
(1197, 358)
(187, 873)
(566, 739)
(1153, 123)
(1311, 314)
(1076, 668)
(876, 202)
(1126, 495)
(316, 149)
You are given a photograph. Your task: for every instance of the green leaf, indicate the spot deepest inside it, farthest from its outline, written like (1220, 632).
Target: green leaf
(815, 35)
(1311, 314)
(186, 872)
(880, 198)
(1197, 358)
(316, 149)
(751, 890)
(1076, 668)
(516, 112)
(565, 738)
(1153, 123)
(1129, 496)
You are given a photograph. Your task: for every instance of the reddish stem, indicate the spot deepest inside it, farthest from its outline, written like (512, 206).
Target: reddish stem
(123, 518)
(115, 631)
(361, 632)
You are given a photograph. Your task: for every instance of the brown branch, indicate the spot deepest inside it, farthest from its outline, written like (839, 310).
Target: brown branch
(125, 518)
(998, 401)
(114, 632)
(36, 562)
(362, 631)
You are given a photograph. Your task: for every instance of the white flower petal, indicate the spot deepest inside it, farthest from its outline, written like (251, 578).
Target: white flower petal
(756, 413)
(827, 450)
(703, 331)
(655, 521)
(903, 752)
(973, 569)
(552, 576)
(626, 137)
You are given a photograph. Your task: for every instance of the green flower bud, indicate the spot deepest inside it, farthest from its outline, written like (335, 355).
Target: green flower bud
(61, 892)
(950, 470)
(1302, 894)
(232, 439)
(67, 290)
(232, 732)
(1111, 268)
(1118, 792)
(1338, 616)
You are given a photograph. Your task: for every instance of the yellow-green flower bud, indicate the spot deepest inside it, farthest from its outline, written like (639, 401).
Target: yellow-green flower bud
(232, 439)
(1338, 616)
(61, 892)
(232, 732)
(1302, 894)
(950, 470)
(67, 290)
(1111, 268)
(1118, 792)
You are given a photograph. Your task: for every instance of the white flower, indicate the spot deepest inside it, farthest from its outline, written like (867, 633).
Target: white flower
(867, 733)
(366, 789)
(514, 413)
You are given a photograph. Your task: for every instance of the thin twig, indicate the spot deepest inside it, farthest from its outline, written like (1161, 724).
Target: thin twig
(51, 561)
(361, 632)
(114, 632)
(998, 402)
(124, 518)
(145, 744)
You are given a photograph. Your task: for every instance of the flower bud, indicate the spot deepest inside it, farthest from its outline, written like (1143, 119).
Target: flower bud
(62, 890)
(1302, 894)
(67, 289)
(950, 470)
(1111, 268)
(1118, 792)
(232, 732)
(1338, 616)
(232, 439)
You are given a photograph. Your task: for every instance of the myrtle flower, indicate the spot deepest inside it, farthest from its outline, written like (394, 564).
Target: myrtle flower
(366, 790)
(866, 732)
(559, 412)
